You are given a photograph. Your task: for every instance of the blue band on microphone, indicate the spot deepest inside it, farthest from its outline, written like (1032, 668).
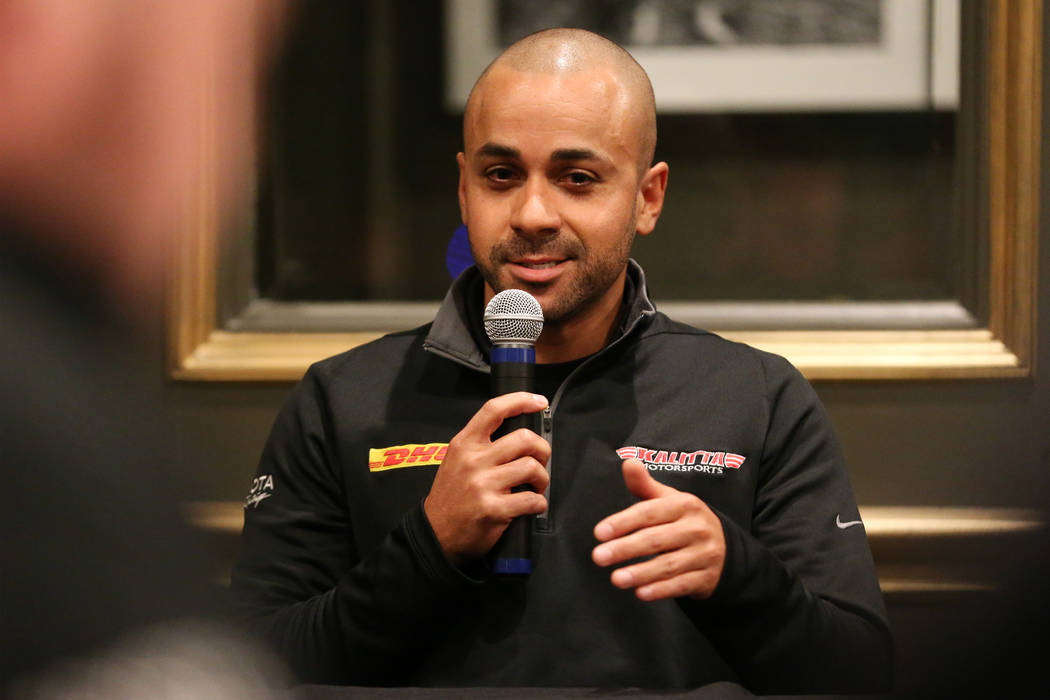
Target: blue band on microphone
(507, 566)
(502, 354)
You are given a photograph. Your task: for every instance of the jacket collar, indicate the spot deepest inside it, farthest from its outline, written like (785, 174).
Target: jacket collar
(450, 335)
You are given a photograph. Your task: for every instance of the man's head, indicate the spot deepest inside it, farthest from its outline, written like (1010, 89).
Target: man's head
(556, 175)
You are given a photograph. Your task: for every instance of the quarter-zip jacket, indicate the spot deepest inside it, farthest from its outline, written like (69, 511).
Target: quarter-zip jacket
(341, 570)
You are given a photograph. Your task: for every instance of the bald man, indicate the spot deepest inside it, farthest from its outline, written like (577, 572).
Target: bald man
(692, 521)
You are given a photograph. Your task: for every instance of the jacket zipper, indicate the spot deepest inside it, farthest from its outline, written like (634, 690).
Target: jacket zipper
(543, 520)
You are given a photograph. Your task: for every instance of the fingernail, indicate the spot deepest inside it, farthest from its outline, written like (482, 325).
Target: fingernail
(603, 531)
(602, 555)
(541, 401)
(645, 592)
(622, 578)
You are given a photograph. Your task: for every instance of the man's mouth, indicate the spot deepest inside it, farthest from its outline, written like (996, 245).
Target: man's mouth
(537, 270)
(539, 265)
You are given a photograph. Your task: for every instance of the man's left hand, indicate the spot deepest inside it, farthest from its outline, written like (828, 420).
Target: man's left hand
(683, 536)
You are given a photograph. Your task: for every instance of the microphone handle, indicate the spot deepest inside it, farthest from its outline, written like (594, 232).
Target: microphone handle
(512, 555)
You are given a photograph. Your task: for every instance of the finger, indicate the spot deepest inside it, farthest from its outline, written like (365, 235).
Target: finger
(642, 543)
(517, 503)
(697, 584)
(656, 511)
(640, 482)
(521, 443)
(665, 568)
(494, 411)
(524, 470)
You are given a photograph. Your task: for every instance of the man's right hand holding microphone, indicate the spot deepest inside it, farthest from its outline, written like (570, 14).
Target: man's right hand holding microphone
(471, 501)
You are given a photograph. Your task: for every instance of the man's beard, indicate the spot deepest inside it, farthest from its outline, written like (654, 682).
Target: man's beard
(594, 274)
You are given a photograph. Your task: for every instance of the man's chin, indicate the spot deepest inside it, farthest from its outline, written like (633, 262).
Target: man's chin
(545, 294)
(554, 296)
(556, 307)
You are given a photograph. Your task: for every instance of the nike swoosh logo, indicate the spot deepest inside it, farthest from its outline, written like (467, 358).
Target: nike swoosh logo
(842, 526)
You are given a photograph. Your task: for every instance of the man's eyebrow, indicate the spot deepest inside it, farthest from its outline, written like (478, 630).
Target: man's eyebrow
(575, 154)
(495, 150)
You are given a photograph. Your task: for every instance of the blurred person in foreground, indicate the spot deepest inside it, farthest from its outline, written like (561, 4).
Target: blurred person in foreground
(694, 520)
(101, 107)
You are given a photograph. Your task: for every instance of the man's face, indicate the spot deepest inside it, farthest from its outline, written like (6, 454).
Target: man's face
(550, 188)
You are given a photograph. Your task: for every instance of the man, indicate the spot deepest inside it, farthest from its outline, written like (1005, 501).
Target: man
(99, 138)
(686, 489)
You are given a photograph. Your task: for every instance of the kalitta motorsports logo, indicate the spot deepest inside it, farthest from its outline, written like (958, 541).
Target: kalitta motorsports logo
(701, 461)
(383, 458)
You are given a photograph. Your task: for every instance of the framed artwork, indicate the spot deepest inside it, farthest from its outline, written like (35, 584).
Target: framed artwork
(740, 55)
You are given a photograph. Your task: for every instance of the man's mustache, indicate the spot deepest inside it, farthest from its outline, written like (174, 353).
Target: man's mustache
(558, 247)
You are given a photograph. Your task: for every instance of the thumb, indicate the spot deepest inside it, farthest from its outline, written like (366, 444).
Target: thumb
(639, 482)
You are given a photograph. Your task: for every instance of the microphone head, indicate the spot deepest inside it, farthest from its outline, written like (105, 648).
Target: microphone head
(513, 317)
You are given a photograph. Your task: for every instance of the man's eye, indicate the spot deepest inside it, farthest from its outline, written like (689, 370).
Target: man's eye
(579, 179)
(499, 174)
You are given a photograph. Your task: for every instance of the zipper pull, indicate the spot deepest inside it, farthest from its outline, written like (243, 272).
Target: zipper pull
(548, 420)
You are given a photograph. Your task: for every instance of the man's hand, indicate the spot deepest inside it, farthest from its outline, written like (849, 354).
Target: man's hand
(470, 502)
(685, 536)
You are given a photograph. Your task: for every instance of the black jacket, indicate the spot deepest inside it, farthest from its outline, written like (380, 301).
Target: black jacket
(342, 572)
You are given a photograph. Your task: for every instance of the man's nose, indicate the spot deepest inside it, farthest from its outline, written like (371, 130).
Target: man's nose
(535, 212)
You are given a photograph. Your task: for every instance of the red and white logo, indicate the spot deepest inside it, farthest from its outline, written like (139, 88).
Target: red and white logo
(702, 461)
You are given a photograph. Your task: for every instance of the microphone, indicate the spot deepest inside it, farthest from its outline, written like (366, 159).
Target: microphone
(513, 322)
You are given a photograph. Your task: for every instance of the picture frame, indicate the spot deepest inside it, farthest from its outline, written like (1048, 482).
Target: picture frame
(913, 65)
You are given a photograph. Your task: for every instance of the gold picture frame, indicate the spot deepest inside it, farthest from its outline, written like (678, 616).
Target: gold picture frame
(1004, 348)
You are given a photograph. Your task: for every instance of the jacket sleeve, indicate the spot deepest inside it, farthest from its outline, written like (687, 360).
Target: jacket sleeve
(798, 607)
(332, 615)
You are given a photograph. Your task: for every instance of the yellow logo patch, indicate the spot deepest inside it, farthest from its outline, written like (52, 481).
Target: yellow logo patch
(383, 458)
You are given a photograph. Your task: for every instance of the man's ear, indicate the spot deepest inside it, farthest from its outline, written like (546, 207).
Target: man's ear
(461, 161)
(651, 197)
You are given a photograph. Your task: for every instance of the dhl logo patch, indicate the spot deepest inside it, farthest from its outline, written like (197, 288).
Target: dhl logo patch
(383, 458)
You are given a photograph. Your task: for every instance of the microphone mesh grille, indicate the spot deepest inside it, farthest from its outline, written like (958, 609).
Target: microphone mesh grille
(513, 316)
